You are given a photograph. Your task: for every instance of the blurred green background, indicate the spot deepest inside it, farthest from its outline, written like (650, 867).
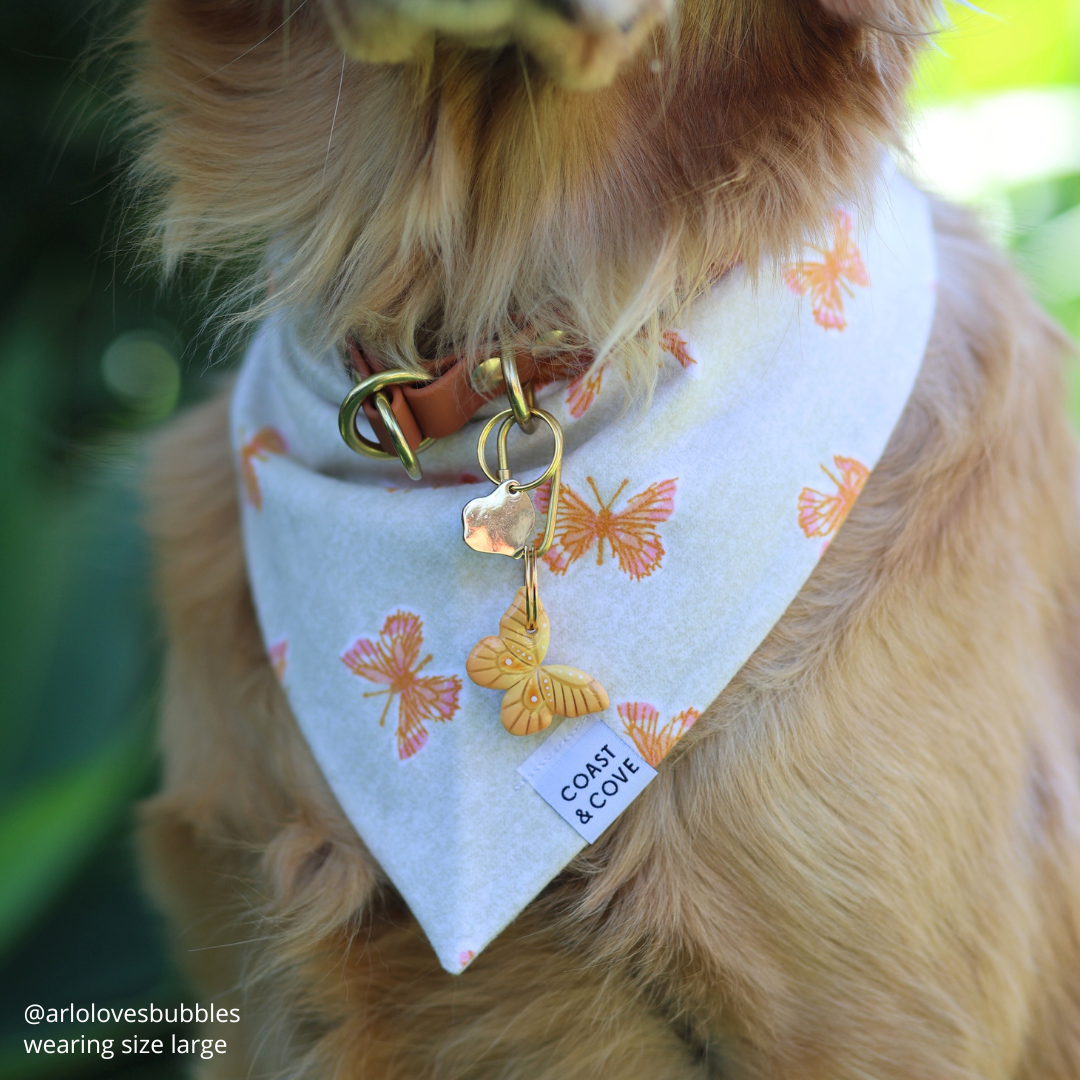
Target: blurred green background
(93, 355)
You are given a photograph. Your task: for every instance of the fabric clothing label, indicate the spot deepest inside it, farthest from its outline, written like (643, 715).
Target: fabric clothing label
(684, 531)
(589, 778)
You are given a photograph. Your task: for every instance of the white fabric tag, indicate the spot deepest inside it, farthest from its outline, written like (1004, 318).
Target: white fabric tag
(588, 777)
(683, 534)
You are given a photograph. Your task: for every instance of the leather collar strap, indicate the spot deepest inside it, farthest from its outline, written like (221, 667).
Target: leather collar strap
(439, 408)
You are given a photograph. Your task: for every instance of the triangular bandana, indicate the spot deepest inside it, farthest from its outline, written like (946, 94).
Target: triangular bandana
(697, 522)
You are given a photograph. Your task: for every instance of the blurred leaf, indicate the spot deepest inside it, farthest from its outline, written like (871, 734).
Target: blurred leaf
(31, 533)
(1009, 43)
(77, 645)
(101, 942)
(1074, 390)
(1050, 255)
(45, 834)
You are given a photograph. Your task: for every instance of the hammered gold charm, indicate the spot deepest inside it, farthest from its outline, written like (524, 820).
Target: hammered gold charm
(501, 523)
(512, 662)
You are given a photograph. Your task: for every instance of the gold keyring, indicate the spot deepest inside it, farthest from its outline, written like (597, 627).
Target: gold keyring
(520, 399)
(374, 385)
(506, 417)
(532, 594)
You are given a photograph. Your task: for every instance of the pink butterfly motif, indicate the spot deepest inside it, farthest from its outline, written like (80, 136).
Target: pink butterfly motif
(259, 447)
(393, 662)
(829, 279)
(630, 533)
(585, 389)
(821, 514)
(641, 722)
(279, 658)
(677, 347)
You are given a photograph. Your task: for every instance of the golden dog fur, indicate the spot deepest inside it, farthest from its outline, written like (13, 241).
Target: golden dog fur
(864, 859)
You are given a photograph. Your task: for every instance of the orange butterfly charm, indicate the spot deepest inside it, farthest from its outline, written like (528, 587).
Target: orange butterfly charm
(820, 514)
(640, 722)
(259, 447)
(534, 694)
(392, 661)
(841, 267)
(631, 533)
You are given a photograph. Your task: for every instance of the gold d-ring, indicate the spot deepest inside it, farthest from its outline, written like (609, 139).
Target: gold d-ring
(520, 399)
(373, 386)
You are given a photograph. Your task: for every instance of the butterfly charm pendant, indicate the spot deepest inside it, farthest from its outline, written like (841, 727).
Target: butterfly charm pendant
(534, 694)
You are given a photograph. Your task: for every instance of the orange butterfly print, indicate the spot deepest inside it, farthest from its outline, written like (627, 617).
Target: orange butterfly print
(827, 281)
(583, 391)
(821, 514)
(259, 447)
(641, 722)
(392, 661)
(631, 533)
(675, 345)
(279, 658)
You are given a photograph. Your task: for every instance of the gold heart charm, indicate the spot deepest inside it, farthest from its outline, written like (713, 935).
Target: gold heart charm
(502, 522)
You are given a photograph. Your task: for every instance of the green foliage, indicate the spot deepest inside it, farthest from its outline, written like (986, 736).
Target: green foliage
(1008, 44)
(90, 354)
(46, 832)
(979, 63)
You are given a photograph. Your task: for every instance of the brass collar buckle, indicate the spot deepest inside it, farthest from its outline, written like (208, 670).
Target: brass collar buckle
(497, 371)
(374, 386)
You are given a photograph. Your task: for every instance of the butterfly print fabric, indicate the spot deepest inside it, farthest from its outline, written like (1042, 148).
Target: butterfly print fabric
(630, 534)
(278, 652)
(259, 447)
(687, 525)
(585, 389)
(821, 514)
(394, 661)
(830, 277)
(641, 722)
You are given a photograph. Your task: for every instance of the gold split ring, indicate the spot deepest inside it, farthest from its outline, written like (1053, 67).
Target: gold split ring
(506, 417)
(374, 386)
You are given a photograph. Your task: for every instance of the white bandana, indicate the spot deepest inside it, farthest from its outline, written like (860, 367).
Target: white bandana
(696, 522)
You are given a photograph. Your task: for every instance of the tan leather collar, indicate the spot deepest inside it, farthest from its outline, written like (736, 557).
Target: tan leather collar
(438, 408)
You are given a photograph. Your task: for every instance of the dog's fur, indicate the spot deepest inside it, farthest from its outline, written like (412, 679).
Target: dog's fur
(864, 859)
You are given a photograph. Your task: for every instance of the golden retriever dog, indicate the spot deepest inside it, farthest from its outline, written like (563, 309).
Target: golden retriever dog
(864, 859)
